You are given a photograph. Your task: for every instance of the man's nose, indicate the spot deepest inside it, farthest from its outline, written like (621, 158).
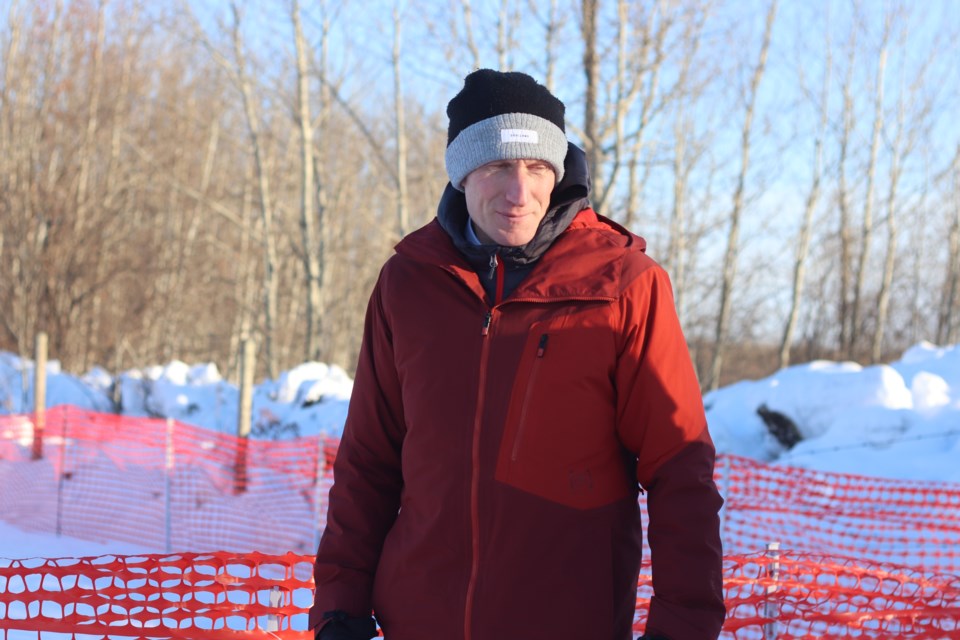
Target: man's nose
(518, 186)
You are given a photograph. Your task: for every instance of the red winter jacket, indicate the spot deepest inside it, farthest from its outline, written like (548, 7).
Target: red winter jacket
(486, 484)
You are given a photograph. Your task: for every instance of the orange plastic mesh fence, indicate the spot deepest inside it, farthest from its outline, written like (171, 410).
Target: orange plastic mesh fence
(189, 595)
(170, 486)
(222, 595)
(910, 523)
(163, 484)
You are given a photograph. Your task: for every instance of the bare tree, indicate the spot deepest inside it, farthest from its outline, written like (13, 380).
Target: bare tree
(320, 167)
(403, 214)
(308, 212)
(85, 202)
(589, 18)
(507, 19)
(677, 244)
(113, 183)
(883, 297)
(687, 152)
(552, 24)
(948, 327)
(866, 232)
(16, 243)
(847, 126)
(270, 285)
(733, 237)
(468, 30)
(86, 157)
(61, 189)
(628, 84)
(909, 127)
(245, 285)
(813, 196)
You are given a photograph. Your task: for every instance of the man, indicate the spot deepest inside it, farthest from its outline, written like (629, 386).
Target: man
(522, 370)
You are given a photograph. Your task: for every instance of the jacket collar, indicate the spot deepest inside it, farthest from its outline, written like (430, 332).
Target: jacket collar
(584, 263)
(569, 197)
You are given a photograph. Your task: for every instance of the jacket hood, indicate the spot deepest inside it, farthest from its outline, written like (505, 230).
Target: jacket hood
(569, 197)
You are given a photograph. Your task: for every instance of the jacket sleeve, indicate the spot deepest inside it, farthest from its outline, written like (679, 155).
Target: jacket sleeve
(661, 420)
(365, 496)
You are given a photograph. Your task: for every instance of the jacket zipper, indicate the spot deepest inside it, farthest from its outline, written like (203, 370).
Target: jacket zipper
(497, 271)
(531, 384)
(475, 480)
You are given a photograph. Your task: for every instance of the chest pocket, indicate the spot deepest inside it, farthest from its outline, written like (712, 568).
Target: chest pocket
(559, 440)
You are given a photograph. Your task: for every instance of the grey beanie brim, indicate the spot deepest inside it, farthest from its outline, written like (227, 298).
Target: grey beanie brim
(508, 136)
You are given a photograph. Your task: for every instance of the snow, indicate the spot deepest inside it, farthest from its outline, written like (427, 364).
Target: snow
(20, 544)
(898, 420)
(895, 420)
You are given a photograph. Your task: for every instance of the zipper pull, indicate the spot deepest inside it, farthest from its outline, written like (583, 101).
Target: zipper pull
(542, 347)
(486, 323)
(493, 266)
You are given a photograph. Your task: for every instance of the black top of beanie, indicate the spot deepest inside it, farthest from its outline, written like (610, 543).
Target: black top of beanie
(487, 93)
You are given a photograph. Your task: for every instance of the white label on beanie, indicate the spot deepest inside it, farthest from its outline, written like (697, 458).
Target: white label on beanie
(519, 135)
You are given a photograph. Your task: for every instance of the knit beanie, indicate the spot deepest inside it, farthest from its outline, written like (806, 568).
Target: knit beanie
(503, 116)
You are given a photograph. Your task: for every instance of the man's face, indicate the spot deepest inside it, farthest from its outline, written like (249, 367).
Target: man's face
(507, 199)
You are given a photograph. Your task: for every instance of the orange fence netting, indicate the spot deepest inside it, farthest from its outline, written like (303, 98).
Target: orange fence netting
(221, 595)
(186, 595)
(858, 556)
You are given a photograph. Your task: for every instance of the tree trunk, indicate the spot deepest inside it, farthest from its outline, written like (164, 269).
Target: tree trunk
(846, 336)
(324, 222)
(947, 324)
(886, 282)
(308, 232)
(90, 130)
(111, 197)
(591, 69)
(813, 196)
(676, 245)
(403, 214)
(266, 206)
(551, 28)
(733, 238)
(866, 233)
(468, 33)
(86, 159)
(683, 162)
(505, 41)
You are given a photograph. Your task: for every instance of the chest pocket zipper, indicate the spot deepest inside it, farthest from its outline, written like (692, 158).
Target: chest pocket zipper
(531, 385)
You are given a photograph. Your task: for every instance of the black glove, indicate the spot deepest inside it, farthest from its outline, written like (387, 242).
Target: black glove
(340, 626)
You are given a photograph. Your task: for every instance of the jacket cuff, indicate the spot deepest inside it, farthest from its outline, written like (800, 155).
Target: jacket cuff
(337, 625)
